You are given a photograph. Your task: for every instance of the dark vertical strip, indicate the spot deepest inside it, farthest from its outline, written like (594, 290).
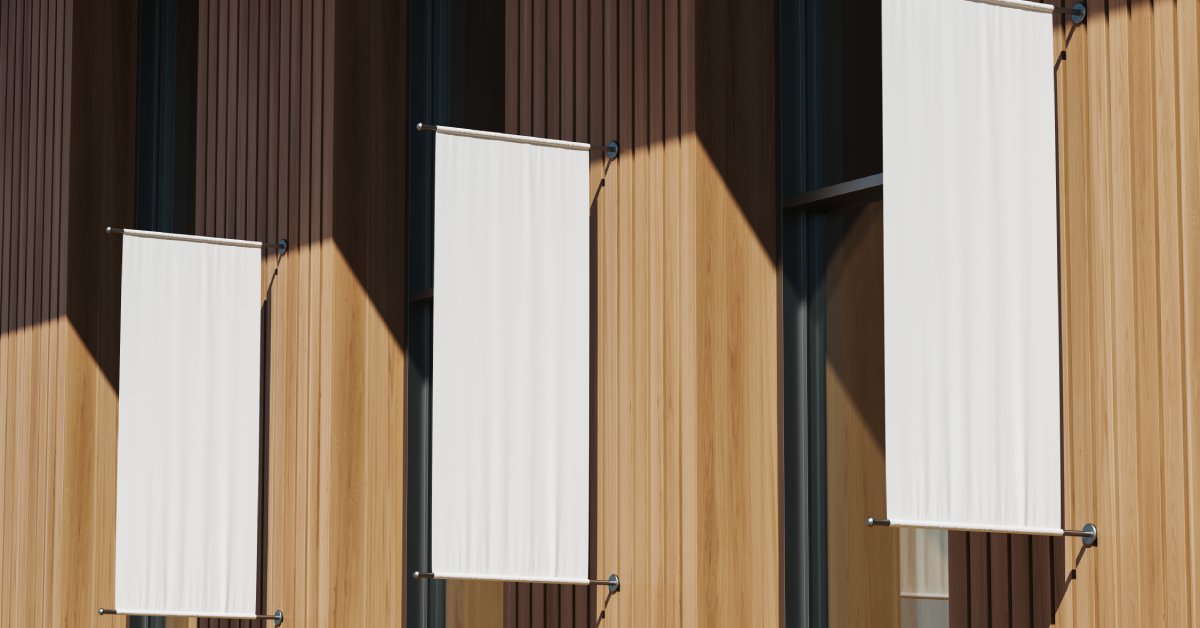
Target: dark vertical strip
(582, 612)
(537, 614)
(247, 121)
(213, 68)
(24, 95)
(567, 45)
(419, 263)
(980, 586)
(510, 605)
(36, 206)
(512, 67)
(566, 606)
(525, 37)
(213, 224)
(552, 60)
(181, 198)
(999, 575)
(553, 598)
(959, 558)
(1020, 587)
(262, 124)
(537, 93)
(272, 121)
(7, 180)
(524, 602)
(1058, 577)
(1042, 588)
(584, 47)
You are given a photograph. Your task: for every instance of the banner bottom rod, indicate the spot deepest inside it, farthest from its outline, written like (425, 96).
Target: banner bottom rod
(277, 617)
(1089, 533)
(613, 582)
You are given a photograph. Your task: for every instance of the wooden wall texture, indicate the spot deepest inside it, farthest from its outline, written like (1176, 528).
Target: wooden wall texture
(1129, 179)
(686, 297)
(300, 127)
(66, 166)
(283, 150)
(35, 114)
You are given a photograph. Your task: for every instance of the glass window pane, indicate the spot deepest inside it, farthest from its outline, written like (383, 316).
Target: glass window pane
(831, 120)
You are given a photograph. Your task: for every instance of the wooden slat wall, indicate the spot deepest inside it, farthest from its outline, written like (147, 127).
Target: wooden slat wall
(1005, 579)
(34, 116)
(282, 151)
(863, 587)
(300, 135)
(1129, 179)
(66, 171)
(686, 490)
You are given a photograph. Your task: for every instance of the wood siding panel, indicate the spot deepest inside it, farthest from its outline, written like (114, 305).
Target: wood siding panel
(1128, 91)
(686, 476)
(66, 164)
(281, 151)
(301, 135)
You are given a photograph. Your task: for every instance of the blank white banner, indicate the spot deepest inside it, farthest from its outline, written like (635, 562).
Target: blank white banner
(510, 359)
(971, 266)
(188, 427)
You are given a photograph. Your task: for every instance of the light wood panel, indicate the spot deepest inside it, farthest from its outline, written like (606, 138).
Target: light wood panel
(1128, 91)
(300, 135)
(476, 604)
(863, 563)
(686, 489)
(66, 164)
(32, 200)
(282, 150)
(1130, 292)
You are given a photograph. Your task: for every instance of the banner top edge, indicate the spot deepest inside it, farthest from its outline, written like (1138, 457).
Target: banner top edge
(1024, 5)
(505, 137)
(162, 235)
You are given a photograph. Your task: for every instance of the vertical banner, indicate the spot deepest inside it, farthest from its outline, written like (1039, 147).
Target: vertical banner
(971, 319)
(511, 358)
(188, 427)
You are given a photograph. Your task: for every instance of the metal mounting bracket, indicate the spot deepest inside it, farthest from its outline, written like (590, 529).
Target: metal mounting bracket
(612, 149)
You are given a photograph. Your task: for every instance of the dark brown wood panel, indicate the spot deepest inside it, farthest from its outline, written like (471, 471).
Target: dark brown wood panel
(1004, 579)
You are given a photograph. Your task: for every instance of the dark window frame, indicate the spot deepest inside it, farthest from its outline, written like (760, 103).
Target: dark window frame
(830, 158)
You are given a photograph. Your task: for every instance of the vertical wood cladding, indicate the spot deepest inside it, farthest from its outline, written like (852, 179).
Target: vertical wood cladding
(35, 111)
(66, 171)
(686, 486)
(1128, 90)
(300, 135)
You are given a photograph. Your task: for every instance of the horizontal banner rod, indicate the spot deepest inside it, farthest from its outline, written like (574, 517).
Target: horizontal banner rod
(1078, 11)
(1089, 533)
(277, 617)
(505, 137)
(1024, 5)
(281, 245)
(613, 583)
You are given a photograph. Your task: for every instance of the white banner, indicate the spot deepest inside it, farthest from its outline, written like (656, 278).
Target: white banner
(970, 267)
(510, 359)
(188, 427)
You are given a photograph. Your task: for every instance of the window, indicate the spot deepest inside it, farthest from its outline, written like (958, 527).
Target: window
(166, 131)
(456, 78)
(166, 116)
(839, 572)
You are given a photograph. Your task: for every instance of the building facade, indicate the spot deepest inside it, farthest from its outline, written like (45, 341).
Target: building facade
(736, 280)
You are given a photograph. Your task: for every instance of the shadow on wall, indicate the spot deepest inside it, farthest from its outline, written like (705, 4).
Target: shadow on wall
(280, 153)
